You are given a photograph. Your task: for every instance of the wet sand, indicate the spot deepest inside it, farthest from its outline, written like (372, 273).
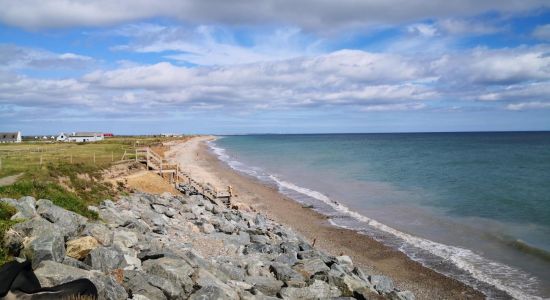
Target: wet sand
(196, 159)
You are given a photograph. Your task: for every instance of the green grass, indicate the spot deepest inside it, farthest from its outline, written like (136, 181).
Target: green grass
(6, 212)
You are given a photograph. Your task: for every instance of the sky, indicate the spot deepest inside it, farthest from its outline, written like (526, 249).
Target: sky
(274, 66)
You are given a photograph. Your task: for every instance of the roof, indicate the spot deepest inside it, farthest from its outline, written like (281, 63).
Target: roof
(8, 135)
(85, 134)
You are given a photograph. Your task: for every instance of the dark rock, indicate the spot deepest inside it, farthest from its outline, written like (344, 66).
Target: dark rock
(105, 259)
(49, 246)
(69, 222)
(175, 270)
(136, 283)
(266, 285)
(209, 293)
(69, 261)
(170, 290)
(310, 267)
(317, 290)
(284, 273)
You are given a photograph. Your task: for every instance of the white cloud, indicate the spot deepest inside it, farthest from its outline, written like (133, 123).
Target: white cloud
(15, 57)
(311, 14)
(528, 105)
(466, 27)
(542, 32)
(490, 66)
(427, 30)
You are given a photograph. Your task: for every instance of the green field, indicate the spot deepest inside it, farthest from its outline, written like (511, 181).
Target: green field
(68, 174)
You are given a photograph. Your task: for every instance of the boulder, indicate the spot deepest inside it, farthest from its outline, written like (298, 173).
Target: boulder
(69, 261)
(49, 246)
(285, 273)
(69, 222)
(25, 206)
(175, 270)
(267, 285)
(203, 278)
(125, 238)
(310, 267)
(209, 293)
(207, 228)
(100, 232)
(317, 290)
(80, 247)
(382, 284)
(105, 259)
(136, 283)
(35, 227)
(169, 289)
(404, 295)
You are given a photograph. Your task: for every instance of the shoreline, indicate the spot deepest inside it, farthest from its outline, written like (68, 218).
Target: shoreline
(378, 258)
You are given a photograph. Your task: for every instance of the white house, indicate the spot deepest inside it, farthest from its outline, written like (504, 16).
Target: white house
(10, 137)
(82, 137)
(62, 137)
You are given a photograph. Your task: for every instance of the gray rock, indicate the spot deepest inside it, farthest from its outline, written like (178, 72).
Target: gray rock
(136, 283)
(25, 206)
(404, 295)
(233, 272)
(105, 259)
(100, 232)
(169, 289)
(310, 267)
(266, 285)
(382, 284)
(175, 270)
(287, 258)
(207, 228)
(348, 285)
(34, 227)
(209, 293)
(69, 261)
(49, 246)
(69, 222)
(51, 273)
(125, 238)
(284, 273)
(317, 290)
(203, 278)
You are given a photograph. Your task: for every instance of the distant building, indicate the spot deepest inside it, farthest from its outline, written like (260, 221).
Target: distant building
(171, 135)
(62, 137)
(108, 134)
(80, 137)
(10, 137)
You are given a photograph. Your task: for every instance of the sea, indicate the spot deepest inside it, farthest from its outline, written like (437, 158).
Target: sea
(473, 206)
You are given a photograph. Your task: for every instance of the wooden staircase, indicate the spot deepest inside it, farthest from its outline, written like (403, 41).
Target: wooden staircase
(163, 167)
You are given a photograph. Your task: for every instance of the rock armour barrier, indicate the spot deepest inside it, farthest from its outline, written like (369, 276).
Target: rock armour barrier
(183, 247)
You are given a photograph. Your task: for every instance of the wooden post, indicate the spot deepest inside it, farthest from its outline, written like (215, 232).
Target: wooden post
(136, 154)
(0, 163)
(94, 158)
(112, 156)
(71, 158)
(40, 159)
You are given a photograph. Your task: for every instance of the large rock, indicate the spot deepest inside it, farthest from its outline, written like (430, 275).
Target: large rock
(100, 232)
(35, 227)
(382, 284)
(25, 206)
(136, 283)
(69, 222)
(203, 278)
(285, 273)
(209, 293)
(311, 267)
(80, 247)
(105, 259)
(267, 285)
(175, 270)
(317, 290)
(50, 246)
(51, 273)
(170, 290)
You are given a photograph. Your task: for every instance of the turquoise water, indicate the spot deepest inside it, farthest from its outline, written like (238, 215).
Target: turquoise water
(475, 206)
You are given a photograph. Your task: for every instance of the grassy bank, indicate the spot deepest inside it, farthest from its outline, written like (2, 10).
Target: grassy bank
(69, 174)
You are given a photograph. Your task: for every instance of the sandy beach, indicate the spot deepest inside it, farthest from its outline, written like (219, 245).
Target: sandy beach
(197, 160)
